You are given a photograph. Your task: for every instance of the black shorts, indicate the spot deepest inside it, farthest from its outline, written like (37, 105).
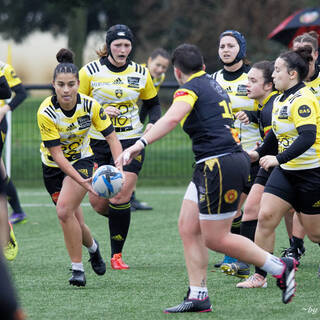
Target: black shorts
(262, 176)
(300, 188)
(220, 182)
(102, 154)
(254, 168)
(3, 133)
(53, 177)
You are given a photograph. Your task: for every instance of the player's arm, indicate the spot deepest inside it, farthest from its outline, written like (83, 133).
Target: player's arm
(103, 124)
(175, 114)
(20, 95)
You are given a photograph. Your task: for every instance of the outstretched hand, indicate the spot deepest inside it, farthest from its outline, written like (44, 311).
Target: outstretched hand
(129, 154)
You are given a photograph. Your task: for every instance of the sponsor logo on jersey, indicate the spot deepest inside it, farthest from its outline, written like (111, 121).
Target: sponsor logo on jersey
(241, 90)
(118, 93)
(70, 127)
(180, 94)
(231, 196)
(84, 122)
(117, 81)
(133, 82)
(102, 114)
(283, 113)
(304, 111)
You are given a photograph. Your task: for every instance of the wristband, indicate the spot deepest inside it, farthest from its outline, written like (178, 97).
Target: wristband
(143, 141)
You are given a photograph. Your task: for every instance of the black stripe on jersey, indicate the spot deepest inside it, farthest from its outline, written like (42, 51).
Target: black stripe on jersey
(96, 65)
(50, 113)
(89, 69)
(143, 70)
(136, 67)
(140, 69)
(87, 105)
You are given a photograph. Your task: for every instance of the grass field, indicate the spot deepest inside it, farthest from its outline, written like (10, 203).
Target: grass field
(157, 278)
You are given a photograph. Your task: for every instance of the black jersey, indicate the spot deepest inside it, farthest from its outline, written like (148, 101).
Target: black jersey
(210, 122)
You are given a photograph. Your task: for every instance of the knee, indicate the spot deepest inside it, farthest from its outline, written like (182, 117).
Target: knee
(265, 219)
(314, 237)
(100, 205)
(251, 212)
(63, 212)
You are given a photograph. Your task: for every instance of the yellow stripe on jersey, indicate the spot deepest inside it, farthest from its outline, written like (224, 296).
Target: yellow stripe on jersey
(300, 108)
(187, 96)
(71, 132)
(120, 90)
(237, 90)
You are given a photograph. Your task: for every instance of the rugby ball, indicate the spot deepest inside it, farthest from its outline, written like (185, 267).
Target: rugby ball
(107, 181)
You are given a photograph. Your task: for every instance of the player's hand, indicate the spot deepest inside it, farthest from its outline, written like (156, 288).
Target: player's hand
(3, 111)
(243, 117)
(148, 127)
(112, 112)
(254, 155)
(267, 162)
(129, 154)
(87, 184)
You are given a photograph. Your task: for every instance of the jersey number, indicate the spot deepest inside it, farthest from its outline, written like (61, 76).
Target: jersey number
(227, 110)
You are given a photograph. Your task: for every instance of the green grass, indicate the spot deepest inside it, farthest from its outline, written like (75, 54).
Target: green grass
(157, 278)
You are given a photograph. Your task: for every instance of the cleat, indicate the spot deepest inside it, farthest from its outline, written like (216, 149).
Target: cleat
(137, 205)
(97, 263)
(286, 281)
(78, 278)
(191, 305)
(18, 217)
(238, 269)
(293, 252)
(255, 281)
(226, 259)
(117, 262)
(11, 250)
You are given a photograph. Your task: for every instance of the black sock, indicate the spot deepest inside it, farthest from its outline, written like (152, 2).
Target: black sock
(261, 272)
(248, 229)
(297, 243)
(236, 223)
(13, 198)
(119, 221)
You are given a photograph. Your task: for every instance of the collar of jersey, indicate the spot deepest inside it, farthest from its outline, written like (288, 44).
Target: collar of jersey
(231, 76)
(292, 90)
(264, 102)
(105, 61)
(197, 74)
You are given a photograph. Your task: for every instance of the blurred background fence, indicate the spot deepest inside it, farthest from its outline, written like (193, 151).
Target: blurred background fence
(168, 161)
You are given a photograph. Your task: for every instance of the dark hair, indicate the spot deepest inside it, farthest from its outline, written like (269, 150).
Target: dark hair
(187, 58)
(117, 31)
(65, 59)
(298, 60)
(160, 52)
(267, 68)
(309, 37)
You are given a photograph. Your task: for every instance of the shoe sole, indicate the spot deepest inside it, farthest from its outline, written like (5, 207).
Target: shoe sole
(264, 286)
(77, 283)
(19, 221)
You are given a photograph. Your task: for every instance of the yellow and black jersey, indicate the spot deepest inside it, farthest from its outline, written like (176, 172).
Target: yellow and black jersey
(70, 129)
(119, 88)
(209, 123)
(314, 83)
(237, 91)
(10, 75)
(290, 112)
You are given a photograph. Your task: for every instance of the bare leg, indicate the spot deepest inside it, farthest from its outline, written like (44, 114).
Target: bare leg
(195, 252)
